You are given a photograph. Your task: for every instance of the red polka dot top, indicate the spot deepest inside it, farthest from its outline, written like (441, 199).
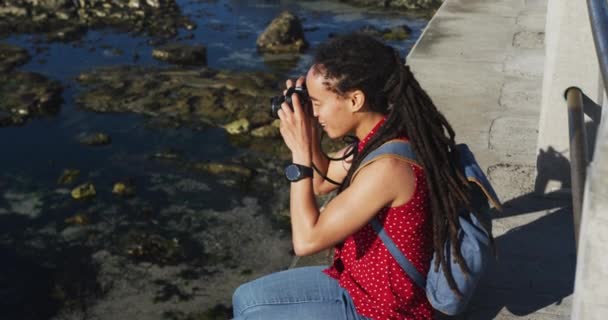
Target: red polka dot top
(363, 266)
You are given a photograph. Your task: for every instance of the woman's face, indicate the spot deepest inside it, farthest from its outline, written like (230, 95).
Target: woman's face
(331, 110)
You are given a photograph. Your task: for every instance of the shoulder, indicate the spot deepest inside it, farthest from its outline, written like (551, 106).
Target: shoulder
(386, 167)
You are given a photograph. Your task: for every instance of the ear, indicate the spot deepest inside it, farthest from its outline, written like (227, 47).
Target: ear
(357, 100)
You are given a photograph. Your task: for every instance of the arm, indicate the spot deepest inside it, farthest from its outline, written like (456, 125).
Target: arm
(386, 182)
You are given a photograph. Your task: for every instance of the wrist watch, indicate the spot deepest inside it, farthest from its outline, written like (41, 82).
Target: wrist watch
(296, 172)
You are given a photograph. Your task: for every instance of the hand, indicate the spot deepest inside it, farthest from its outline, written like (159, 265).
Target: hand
(296, 127)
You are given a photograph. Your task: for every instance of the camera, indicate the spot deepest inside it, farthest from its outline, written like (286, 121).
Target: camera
(276, 101)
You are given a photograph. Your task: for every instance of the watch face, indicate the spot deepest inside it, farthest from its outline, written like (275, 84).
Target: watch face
(292, 172)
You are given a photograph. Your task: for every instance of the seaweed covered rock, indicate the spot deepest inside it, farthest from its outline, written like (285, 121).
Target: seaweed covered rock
(199, 98)
(25, 95)
(11, 57)
(181, 54)
(284, 34)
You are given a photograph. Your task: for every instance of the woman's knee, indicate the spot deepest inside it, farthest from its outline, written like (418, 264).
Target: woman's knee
(241, 298)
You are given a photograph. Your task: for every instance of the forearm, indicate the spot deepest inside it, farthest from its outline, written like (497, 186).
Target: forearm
(303, 209)
(304, 215)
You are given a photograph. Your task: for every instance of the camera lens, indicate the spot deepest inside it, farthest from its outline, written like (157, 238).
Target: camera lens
(275, 105)
(276, 101)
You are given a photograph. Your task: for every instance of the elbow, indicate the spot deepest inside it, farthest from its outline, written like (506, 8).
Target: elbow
(303, 248)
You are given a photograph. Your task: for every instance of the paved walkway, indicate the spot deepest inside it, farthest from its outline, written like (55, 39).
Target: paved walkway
(482, 63)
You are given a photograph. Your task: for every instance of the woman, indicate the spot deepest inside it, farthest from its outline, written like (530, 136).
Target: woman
(359, 85)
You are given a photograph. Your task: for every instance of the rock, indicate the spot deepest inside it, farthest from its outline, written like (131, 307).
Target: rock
(25, 95)
(11, 57)
(159, 18)
(267, 131)
(403, 4)
(79, 219)
(123, 189)
(237, 127)
(52, 5)
(223, 169)
(153, 3)
(182, 54)
(397, 33)
(68, 176)
(69, 33)
(13, 11)
(284, 34)
(95, 139)
(415, 4)
(83, 191)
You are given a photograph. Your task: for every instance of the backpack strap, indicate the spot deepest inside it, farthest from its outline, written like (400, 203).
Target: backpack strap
(401, 150)
(398, 149)
(401, 259)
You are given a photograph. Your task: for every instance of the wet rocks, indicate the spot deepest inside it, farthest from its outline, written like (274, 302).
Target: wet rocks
(83, 191)
(68, 176)
(79, 219)
(156, 17)
(403, 4)
(284, 34)
(182, 54)
(239, 126)
(397, 33)
(155, 248)
(11, 57)
(95, 139)
(199, 98)
(123, 189)
(25, 95)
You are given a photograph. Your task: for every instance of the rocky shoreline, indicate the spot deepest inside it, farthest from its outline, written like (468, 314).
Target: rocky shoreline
(173, 237)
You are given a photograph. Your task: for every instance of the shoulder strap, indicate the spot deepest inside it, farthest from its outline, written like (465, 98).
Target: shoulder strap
(392, 149)
(401, 259)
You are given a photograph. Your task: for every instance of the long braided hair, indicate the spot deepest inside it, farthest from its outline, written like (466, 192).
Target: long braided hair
(358, 61)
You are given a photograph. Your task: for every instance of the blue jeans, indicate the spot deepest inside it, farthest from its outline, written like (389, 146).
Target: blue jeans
(295, 294)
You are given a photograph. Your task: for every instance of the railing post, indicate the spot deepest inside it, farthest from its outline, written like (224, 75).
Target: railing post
(578, 154)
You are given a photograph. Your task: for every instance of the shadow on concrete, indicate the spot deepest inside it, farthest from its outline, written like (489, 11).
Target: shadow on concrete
(535, 268)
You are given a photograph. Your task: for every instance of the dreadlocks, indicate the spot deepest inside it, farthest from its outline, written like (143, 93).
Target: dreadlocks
(357, 61)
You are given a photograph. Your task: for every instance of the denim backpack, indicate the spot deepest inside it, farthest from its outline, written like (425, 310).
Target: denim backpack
(474, 239)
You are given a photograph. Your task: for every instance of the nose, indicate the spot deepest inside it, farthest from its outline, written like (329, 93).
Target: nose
(315, 111)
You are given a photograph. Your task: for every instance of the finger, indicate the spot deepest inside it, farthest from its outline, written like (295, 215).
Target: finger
(288, 84)
(287, 112)
(281, 115)
(297, 108)
(300, 82)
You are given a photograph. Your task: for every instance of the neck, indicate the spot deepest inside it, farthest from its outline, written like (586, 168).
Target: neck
(367, 124)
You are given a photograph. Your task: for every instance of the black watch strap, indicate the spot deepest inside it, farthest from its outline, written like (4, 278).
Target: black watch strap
(296, 172)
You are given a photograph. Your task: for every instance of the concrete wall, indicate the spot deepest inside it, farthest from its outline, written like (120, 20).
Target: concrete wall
(591, 289)
(570, 61)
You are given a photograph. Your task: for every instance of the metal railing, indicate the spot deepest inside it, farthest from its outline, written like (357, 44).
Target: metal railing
(598, 17)
(578, 154)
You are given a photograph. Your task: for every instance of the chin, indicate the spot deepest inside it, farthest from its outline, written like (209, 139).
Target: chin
(333, 135)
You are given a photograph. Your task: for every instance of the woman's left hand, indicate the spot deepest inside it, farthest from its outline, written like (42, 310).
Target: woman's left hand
(296, 127)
